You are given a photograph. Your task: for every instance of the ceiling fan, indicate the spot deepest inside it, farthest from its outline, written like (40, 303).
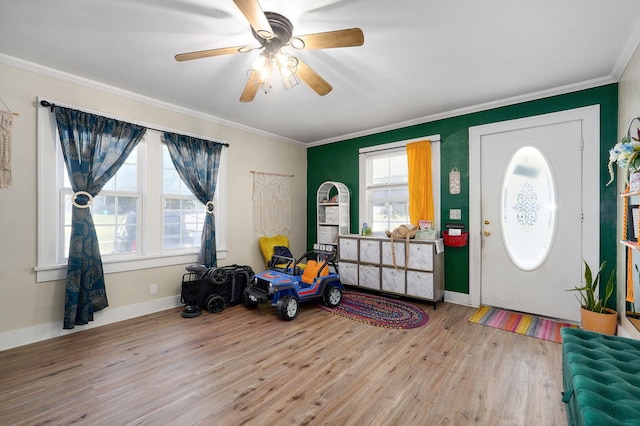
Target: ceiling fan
(273, 31)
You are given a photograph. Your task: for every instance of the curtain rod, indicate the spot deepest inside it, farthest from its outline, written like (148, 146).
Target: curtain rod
(270, 174)
(50, 105)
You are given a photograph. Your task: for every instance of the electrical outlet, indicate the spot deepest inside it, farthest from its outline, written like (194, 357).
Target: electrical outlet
(153, 288)
(455, 214)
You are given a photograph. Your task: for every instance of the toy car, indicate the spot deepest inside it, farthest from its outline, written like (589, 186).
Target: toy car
(288, 282)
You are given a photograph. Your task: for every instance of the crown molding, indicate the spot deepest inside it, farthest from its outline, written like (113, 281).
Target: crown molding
(589, 84)
(112, 90)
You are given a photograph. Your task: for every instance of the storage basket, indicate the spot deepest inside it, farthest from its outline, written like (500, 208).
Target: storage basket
(455, 240)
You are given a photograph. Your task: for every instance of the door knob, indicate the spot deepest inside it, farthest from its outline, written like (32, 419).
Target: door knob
(486, 233)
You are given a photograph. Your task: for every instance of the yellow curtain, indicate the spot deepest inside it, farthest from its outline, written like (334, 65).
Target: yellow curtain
(420, 185)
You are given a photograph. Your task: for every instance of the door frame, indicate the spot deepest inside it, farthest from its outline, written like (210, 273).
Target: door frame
(590, 248)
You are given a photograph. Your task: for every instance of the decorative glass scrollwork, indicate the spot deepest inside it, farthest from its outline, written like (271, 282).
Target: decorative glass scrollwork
(528, 208)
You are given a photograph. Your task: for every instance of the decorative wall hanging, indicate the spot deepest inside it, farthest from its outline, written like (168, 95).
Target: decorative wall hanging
(271, 203)
(454, 181)
(6, 129)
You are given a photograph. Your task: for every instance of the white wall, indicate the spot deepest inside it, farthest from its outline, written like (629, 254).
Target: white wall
(31, 311)
(628, 108)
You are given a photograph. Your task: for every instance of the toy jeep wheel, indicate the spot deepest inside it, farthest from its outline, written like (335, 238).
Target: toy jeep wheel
(287, 308)
(247, 301)
(215, 303)
(332, 296)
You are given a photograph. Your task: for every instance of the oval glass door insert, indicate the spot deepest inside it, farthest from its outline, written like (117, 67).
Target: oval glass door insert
(528, 210)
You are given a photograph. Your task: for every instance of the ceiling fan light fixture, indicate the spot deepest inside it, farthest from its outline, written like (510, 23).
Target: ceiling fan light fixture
(290, 82)
(262, 65)
(259, 81)
(287, 64)
(274, 31)
(267, 35)
(297, 43)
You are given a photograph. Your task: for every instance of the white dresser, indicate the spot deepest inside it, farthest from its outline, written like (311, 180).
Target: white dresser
(368, 262)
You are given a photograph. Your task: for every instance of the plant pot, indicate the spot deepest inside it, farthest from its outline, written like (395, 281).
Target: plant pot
(604, 323)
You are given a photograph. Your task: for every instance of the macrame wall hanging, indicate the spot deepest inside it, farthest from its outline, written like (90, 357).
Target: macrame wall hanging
(271, 203)
(6, 128)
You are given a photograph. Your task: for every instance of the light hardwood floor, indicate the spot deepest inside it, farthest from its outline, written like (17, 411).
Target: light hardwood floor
(245, 366)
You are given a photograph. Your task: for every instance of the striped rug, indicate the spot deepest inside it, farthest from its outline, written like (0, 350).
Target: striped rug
(528, 325)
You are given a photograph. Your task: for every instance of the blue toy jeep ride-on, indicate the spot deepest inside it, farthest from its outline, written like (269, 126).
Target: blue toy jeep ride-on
(288, 282)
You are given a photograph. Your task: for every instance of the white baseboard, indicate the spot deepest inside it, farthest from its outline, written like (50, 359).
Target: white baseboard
(25, 336)
(457, 298)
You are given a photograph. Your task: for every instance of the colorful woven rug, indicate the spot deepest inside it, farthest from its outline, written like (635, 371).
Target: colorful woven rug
(378, 310)
(528, 325)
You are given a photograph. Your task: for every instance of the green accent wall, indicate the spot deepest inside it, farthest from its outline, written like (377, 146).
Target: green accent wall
(339, 162)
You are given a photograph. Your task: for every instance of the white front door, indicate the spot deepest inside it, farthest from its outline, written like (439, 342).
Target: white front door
(529, 199)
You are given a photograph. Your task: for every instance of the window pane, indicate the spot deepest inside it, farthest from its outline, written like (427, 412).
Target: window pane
(389, 169)
(115, 220)
(183, 222)
(390, 193)
(127, 178)
(398, 169)
(389, 215)
(387, 191)
(126, 227)
(379, 171)
(171, 181)
(183, 213)
(528, 207)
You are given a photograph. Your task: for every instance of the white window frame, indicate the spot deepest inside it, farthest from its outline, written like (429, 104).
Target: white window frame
(52, 265)
(365, 214)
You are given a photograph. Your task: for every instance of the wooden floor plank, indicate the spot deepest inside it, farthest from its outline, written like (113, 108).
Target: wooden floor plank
(246, 366)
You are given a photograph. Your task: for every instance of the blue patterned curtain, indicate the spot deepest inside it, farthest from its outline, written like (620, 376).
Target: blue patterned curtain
(94, 148)
(197, 162)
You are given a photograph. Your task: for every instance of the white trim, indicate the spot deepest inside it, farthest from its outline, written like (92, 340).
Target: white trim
(456, 297)
(399, 144)
(590, 117)
(435, 177)
(150, 126)
(105, 88)
(24, 336)
(63, 76)
(59, 272)
(589, 84)
(49, 267)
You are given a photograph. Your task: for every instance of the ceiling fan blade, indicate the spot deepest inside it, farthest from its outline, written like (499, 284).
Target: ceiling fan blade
(340, 38)
(250, 89)
(211, 52)
(253, 12)
(313, 79)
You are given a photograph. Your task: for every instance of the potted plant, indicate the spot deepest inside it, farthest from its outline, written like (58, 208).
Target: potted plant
(594, 314)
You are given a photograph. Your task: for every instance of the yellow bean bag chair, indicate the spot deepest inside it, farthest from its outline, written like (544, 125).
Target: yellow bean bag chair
(267, 245)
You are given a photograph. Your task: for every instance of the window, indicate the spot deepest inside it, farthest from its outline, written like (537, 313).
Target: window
(145, 216)
(114, 210)
(387, 192)
(183, 213)
(384, 179)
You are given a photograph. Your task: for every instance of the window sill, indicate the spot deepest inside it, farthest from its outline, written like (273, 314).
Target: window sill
(110, 266)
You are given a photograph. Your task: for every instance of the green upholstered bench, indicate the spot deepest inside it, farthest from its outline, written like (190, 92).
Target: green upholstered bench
(601, 378)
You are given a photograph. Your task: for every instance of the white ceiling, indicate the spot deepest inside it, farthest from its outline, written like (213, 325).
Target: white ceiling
(421, 59)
